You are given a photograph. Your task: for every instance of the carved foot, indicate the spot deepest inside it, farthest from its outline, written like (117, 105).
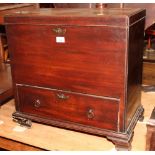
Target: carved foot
(22, 121)
(122, 144)
(141, 116)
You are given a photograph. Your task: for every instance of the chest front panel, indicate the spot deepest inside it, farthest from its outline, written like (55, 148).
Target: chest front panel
(87, 59)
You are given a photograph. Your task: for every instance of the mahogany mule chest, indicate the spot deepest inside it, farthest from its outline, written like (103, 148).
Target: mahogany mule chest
(79, 69)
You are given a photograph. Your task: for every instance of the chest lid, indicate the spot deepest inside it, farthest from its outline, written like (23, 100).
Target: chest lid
(83, 17)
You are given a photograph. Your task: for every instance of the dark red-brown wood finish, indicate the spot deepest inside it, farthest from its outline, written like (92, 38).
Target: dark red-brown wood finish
(79, 69)
(135, 55)
(74, 107)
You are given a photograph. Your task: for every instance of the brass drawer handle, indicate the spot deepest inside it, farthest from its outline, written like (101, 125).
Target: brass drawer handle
(59, 31)
(62, 96)
(37, 103)
(90, 114)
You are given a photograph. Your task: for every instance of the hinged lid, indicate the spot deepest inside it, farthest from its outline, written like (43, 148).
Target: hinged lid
(110, 17)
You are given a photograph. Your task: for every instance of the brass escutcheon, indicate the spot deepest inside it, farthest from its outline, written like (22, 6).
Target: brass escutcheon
(90, 114)
(59, 31)
(37, 103)
(62, 96)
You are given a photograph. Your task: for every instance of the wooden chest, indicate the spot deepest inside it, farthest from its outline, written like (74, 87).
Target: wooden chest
(148, 72)
(79, 69)
(150, 136)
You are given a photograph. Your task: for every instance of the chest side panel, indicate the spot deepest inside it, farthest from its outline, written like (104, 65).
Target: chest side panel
(91, 59)
(135, 59)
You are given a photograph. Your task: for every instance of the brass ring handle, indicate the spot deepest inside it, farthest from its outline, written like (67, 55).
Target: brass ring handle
(62, 96)
(90, 113)
(59, 31)
(37, 103)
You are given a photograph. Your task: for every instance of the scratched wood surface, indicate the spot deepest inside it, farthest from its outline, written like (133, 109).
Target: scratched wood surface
(52, 138)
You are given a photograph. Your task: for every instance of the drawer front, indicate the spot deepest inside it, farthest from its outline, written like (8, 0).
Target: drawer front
(72, 107)
(71, 62)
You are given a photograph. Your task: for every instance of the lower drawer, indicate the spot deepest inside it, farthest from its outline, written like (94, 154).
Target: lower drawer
(68, 106)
